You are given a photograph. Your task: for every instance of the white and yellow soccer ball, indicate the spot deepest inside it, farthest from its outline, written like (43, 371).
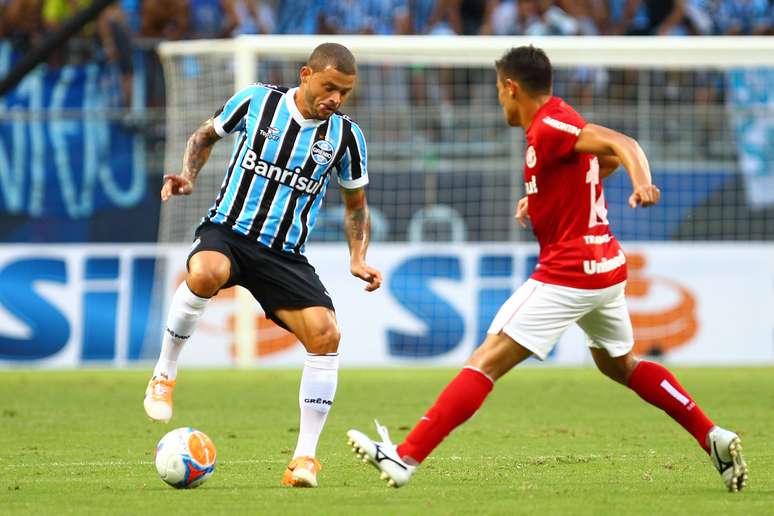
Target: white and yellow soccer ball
(185, 458)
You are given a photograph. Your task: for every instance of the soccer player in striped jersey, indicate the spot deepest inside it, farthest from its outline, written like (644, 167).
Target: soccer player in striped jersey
(580, 278)
(288, 144)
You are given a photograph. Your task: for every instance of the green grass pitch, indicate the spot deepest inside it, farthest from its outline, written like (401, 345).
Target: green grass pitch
(547, 441)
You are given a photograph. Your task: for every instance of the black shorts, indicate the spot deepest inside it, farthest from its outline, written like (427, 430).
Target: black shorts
(276, 279)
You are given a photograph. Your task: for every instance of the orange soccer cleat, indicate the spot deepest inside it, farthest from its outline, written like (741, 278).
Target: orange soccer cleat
(301, 472)
(158, 399)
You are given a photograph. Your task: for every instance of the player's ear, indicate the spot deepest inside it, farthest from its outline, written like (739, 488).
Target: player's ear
(513, 87)
(305, 73)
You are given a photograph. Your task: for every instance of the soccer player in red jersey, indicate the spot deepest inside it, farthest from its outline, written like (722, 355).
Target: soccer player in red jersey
(580, 278)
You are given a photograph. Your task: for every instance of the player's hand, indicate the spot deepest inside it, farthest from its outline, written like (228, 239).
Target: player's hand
(368, 274)
(522, 213)
(175, 185)
(644, 195)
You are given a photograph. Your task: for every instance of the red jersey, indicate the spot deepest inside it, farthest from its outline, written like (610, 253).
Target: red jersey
(567, 206)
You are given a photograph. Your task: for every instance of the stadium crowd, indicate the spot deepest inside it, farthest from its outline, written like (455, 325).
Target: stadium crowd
(127, 33)
(142, 23)
(26, 20)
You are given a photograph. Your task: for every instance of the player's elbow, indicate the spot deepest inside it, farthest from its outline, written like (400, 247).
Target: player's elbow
(630, 142)
(608, 165)
(204, 136)
(355, 200)
(625, 146)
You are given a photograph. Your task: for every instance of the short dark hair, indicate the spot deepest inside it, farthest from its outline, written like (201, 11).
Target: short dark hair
(335, 55)
(527, 65)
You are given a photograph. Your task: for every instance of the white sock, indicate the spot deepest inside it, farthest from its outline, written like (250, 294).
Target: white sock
(315, 397)
(184, 312)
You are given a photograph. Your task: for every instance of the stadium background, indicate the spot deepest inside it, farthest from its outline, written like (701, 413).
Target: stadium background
(88, 257)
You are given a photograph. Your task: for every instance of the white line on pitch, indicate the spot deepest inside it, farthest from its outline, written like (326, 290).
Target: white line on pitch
(126, 463)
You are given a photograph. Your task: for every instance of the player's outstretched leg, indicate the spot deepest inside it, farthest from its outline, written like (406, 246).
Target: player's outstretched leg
(185, 311)
(655, 384)
(315, 398)
(457, 403)
(316, 328)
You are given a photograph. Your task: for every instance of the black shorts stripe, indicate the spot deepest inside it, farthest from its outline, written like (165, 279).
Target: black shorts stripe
(267, 115)
(267, 199)
(290, 209)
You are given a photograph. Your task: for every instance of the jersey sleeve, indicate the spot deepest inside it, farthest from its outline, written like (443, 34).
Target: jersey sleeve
(352, 167)
(559, 131)
(230, 117)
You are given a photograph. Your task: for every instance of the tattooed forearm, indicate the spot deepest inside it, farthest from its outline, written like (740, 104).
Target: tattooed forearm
(198, 149)
(358, 226)
(357, 223)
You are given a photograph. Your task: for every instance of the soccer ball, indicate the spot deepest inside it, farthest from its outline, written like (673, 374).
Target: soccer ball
(185, 458)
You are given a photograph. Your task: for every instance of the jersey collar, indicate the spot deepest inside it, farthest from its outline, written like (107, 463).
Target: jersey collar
(290, 102)
(539, 113)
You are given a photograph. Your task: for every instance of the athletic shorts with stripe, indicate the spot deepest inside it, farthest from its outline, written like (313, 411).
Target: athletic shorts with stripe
(538, 313)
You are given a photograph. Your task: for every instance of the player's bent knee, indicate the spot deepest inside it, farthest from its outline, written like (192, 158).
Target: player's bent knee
(618, 369)
(205, 279)
(497, 355)
(613, 374)
(628, 365)
(325, 340)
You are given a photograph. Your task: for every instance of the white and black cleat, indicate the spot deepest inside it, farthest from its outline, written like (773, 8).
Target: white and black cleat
(382, 455)
(726, 455)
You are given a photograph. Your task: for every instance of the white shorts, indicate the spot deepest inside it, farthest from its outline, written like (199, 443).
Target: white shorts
(538, 313)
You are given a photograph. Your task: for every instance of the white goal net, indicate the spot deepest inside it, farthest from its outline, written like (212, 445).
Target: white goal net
(445, 167)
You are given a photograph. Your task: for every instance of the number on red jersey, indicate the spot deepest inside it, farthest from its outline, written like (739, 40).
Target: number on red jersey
(598, 212)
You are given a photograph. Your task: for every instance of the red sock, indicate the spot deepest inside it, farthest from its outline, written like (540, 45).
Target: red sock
(456, 404)
(656, 385)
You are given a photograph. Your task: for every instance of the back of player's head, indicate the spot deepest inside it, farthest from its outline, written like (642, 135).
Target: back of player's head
(527, 65)
(332, 54)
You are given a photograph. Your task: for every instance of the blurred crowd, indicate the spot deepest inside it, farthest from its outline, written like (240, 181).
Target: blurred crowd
(26, 20)
(131, 24)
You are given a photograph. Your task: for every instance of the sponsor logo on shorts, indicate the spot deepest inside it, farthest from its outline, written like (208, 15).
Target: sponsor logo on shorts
(322, 152)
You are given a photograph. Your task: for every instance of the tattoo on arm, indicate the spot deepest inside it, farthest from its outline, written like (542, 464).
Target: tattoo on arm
(357, 223)
(198, 149)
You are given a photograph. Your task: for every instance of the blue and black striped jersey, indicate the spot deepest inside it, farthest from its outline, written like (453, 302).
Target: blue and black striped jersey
(279, 169)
